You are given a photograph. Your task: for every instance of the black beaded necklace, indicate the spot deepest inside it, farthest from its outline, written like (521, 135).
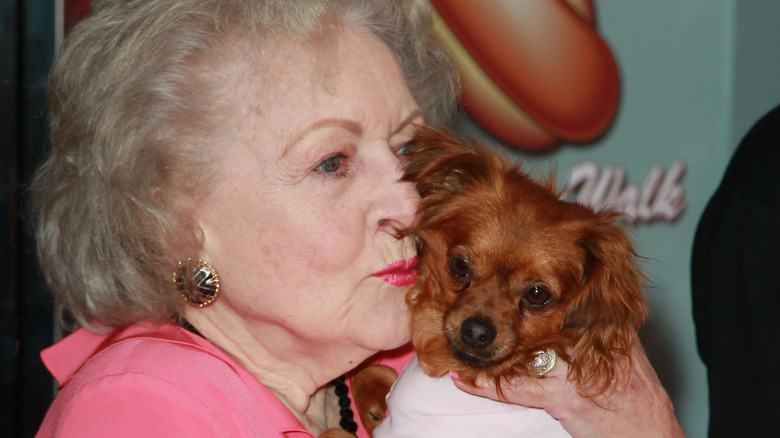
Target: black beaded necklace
(347, 421)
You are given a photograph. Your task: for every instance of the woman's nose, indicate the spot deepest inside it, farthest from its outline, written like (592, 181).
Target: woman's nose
(396, 207)
(401, 212)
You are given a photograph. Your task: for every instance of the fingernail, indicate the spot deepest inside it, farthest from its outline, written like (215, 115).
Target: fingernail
(454, 375)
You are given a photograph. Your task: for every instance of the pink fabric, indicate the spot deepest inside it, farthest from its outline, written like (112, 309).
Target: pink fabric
(163, 381)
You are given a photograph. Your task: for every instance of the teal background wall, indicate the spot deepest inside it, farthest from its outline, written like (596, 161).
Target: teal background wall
(696, 74)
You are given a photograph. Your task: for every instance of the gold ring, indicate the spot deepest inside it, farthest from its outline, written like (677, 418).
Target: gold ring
(543, 362)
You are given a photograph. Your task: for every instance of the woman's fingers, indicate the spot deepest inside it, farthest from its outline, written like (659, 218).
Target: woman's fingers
(521, 389)
(635, 405)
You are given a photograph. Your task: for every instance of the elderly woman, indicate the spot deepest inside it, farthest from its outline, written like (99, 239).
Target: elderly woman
(218, 215)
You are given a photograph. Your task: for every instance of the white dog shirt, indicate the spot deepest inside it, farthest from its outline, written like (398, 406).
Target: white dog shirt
(421, 406)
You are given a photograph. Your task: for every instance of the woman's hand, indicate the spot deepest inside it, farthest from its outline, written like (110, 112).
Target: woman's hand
(636, 407)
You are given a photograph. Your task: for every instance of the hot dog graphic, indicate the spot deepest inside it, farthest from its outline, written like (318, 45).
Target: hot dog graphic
(534, 73)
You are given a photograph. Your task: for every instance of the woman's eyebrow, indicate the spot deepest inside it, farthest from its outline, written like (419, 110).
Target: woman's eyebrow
(346, 124)
(417, 113)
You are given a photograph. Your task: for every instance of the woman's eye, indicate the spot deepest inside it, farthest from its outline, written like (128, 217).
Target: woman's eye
(331, 164)
(405, 149)
(537, 296)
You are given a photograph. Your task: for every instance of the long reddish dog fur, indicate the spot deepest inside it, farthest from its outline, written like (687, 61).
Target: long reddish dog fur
(501, 250)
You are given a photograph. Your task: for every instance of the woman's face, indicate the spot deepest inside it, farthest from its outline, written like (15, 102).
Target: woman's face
(300, 224)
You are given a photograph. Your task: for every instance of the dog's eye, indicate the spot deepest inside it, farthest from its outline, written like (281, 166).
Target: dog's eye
(459, 267)
(537, 296)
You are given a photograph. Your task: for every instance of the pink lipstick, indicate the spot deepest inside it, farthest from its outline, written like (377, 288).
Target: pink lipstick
(399, 273)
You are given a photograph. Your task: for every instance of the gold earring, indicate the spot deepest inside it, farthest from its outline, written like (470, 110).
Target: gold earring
(197, 282)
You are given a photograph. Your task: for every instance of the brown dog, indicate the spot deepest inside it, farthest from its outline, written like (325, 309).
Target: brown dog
(507, 269)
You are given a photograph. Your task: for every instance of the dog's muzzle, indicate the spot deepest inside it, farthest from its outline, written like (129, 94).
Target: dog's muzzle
(473, 344)
(477, 333)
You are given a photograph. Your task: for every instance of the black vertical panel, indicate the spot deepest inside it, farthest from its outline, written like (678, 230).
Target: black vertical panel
(9, 288)
(26, 323)
(35, 310)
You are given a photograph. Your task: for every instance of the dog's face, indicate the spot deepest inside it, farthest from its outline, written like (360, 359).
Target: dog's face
(508, 269)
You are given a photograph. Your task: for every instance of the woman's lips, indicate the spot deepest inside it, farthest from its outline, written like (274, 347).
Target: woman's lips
(399, 273)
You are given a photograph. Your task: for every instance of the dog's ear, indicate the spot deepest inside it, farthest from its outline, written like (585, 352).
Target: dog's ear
(442, 164)
(609, 308)
(447, 170)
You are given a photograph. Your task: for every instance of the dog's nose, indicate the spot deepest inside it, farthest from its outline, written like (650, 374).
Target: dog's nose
(477, 333)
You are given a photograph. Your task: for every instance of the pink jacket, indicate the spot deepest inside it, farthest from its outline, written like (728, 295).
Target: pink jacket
(162, 381)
